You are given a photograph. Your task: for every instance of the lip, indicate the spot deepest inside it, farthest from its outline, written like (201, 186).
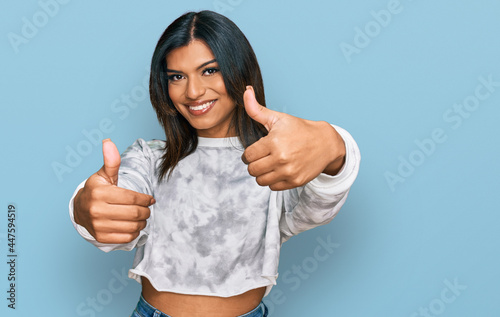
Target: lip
(197, 108)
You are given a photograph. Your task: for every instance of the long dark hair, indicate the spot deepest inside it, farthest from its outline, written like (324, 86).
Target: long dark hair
(238, 66)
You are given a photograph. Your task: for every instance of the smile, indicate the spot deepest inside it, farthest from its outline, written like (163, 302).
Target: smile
(199, 109)
(203, 106)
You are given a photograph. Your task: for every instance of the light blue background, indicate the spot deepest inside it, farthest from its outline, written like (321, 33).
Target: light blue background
(396, 245)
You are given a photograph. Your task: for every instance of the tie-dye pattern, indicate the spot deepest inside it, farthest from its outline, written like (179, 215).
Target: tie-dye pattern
(213, 230)
(207, 230)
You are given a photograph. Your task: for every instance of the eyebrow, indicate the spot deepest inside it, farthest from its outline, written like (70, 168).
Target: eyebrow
(201, 66)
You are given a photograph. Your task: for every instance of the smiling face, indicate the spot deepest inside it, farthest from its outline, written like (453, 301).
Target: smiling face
(197, 90)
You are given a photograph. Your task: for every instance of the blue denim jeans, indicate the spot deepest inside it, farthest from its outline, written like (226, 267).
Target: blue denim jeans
(144, 309)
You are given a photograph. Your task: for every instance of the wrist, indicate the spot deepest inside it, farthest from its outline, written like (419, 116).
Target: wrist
(334, 167)
(76, 218)
(337, 152)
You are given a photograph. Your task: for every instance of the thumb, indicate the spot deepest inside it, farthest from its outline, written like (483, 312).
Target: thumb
(112, 160)
(263, 115)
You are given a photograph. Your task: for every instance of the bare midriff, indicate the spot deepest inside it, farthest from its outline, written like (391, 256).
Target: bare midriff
(182, 305)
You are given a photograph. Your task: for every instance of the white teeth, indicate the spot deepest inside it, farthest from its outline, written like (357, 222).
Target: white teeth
(203, 106)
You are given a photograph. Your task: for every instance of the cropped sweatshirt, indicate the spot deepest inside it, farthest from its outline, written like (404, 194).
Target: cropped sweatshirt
(213, 230)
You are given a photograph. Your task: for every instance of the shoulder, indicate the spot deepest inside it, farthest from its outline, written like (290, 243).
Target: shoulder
(151, 148)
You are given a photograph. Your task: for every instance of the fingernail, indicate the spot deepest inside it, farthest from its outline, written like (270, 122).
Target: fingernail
(106, 140)
(152, 201)
(249, 87)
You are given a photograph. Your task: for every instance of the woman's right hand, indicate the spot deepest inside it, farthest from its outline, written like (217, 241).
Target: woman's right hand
(109, 213)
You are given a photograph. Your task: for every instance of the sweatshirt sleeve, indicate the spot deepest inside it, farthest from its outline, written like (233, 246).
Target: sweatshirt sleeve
(319, 201)
(136, 173)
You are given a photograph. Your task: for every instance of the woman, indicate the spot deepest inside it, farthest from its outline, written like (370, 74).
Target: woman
(208, 208)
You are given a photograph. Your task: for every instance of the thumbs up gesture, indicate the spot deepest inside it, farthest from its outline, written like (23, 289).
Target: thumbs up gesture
(109, 213)
(295, 150)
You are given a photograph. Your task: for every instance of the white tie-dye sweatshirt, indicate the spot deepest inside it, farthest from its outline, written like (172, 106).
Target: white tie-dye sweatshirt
(213, 230)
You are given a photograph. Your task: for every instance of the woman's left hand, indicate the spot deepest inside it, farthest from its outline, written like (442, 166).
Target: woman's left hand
(294, 152)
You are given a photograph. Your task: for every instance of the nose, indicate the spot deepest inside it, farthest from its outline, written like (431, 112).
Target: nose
(195, 88)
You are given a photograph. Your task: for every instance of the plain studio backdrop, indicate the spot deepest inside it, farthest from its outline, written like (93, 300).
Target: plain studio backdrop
(417, 83)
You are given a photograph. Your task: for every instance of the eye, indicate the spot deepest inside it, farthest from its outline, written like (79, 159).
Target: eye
(174, 77)
(210, 71)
